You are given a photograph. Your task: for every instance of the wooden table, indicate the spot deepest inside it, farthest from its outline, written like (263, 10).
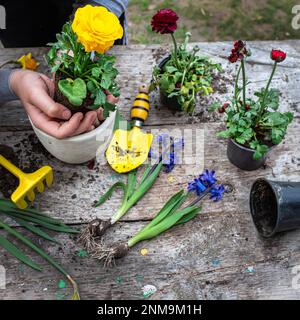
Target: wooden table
(218, 255)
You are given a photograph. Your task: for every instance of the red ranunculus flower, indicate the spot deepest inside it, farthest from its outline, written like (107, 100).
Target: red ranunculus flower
(278, 55)
(223, 108)
(164, 21)
(238, 52)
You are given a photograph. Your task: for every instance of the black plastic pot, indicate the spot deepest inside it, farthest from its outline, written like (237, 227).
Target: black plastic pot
(170, 103)
(275, 206)
(242, 157)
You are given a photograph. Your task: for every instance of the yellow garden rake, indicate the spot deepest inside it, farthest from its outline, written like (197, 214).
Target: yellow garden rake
(28, 182)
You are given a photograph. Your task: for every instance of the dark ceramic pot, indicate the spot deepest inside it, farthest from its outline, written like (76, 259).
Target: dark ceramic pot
(275, 206)
(170, 103)
(242, 157)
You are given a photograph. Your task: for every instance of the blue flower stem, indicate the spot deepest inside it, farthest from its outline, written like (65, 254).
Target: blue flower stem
(158, 162)
(199, 198)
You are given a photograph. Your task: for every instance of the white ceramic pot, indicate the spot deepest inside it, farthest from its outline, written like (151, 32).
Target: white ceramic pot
(81, 148)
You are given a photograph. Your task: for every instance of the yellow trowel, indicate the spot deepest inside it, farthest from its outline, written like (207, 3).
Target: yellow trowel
(27, 182)
(129, 149)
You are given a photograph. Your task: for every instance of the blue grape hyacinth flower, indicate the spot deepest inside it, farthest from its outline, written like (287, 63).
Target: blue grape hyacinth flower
(216, 193)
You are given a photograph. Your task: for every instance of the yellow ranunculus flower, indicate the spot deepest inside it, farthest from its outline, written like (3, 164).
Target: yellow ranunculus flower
(27, 62)
(96, 28)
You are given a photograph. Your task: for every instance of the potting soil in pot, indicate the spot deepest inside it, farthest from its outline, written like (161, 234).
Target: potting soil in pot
(264, 208)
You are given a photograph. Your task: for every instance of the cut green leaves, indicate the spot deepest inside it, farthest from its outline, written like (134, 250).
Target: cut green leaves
(32, 221)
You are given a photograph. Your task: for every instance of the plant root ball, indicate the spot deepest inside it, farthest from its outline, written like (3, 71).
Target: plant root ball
(98, 227)
(120, 250)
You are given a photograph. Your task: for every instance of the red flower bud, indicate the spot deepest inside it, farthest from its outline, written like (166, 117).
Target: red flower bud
(164, 21)
(248, 107)
(223, 108)
(278, 55)
(238, 52)
(178, 85)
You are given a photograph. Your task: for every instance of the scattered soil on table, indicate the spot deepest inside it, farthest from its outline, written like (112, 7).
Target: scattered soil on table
(28, 149)
(264, 208)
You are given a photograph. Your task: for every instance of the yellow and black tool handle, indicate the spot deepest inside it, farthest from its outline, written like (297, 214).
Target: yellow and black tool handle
(141, 107)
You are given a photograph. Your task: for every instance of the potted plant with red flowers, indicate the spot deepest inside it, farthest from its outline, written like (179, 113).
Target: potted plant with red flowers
(254, 126)
(183, 74)
(84, 74)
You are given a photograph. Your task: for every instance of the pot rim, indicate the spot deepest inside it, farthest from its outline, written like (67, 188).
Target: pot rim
(78, 138)
(277, 210)
(241, 146)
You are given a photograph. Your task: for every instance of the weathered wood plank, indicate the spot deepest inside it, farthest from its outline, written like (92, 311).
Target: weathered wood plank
(135, 65)
(212, 261)
(76, 187)
(207, 258)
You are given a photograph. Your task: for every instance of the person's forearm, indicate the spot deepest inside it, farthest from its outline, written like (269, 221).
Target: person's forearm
(6, 94)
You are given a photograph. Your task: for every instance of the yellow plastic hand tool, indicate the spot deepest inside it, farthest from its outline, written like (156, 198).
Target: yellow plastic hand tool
(27, 182)
(129, 149)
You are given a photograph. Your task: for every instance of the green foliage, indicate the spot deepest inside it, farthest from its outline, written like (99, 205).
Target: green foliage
(133, 191)
(74, 90)
(169, 216)
(185, 76)
(258, 125)
(68, 59)
(32, 221)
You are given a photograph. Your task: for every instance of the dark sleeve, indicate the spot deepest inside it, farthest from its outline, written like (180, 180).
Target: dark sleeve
(6, 93)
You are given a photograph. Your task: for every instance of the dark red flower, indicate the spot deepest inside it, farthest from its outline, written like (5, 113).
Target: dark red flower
(233, 58)
(178, 85)
(164, 21)
(278, 55)
(223, 108)
(238, 52)
(248, 107)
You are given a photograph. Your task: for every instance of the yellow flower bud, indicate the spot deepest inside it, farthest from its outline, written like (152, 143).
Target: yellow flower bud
(27, 62)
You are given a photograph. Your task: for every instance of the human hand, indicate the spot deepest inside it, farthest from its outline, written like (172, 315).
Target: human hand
(36, 91)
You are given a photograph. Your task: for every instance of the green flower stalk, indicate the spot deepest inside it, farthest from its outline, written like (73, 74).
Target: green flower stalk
(169, 216)
(133, 192)
(32, 220)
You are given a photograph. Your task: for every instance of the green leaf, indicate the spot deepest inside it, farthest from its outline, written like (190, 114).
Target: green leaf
(188, 217)
(261, 150)
(100, 98)
(167, 208)
(31, 245)
(110, 191)
(9, 206)
(145, 174)
(96, 72)
(106, 81)
(74, 90)
(164, 225)
(224, 134)
(107, 108)
(214, 106)
(17, 253)
(131, 183)
(171, 69)
(35, 230)
(57, 228)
